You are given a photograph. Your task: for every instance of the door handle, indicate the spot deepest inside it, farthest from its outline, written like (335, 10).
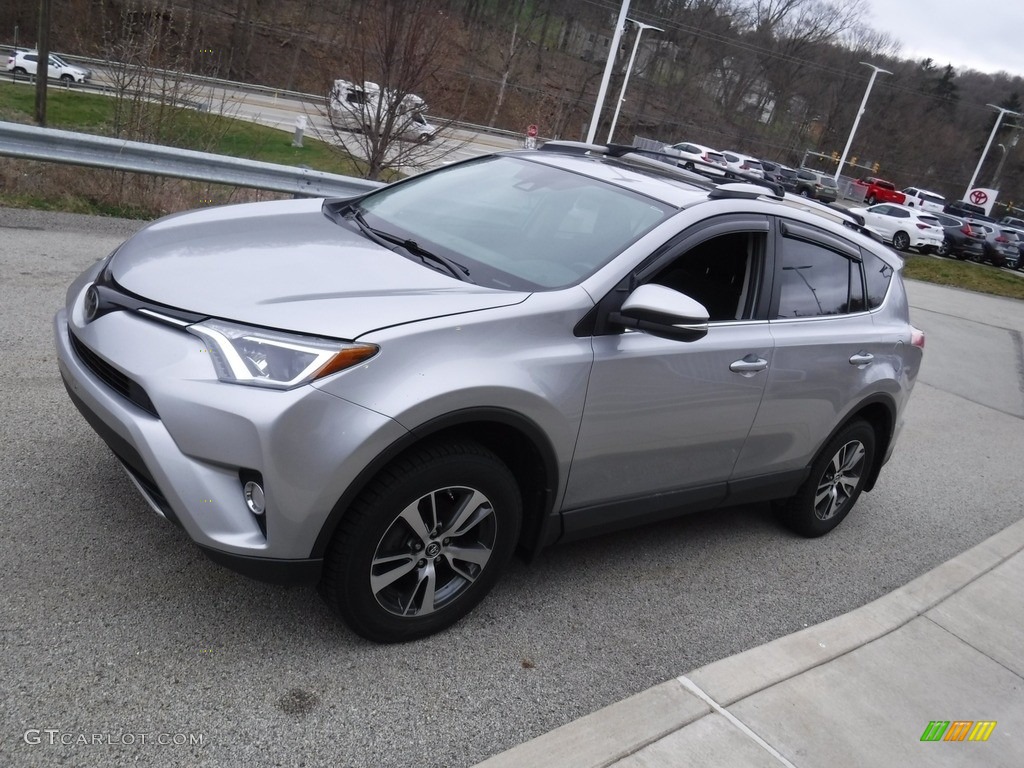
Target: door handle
(862, 358)
(749, 365)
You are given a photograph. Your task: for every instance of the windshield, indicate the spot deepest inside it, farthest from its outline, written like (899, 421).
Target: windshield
(828, 181)
(515, 224)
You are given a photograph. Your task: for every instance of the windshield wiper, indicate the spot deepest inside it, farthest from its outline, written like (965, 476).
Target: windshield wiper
(386, 238)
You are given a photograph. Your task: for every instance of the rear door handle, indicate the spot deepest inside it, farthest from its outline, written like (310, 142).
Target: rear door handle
(749, 365)
(862, 358)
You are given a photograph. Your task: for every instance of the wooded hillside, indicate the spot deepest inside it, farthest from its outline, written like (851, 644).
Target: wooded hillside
(769, 77)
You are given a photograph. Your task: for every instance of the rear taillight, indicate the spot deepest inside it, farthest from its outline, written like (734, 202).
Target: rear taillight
(917, 337)
(1002, 239)
(966, 229)
(923, 226)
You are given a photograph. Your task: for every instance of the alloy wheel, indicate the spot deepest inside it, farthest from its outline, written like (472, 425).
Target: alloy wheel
(839, 482)
(433, 551)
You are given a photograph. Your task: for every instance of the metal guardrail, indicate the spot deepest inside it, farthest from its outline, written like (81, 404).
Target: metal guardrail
(56, 146)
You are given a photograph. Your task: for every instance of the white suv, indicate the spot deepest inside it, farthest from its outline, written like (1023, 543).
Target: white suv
(27, 63)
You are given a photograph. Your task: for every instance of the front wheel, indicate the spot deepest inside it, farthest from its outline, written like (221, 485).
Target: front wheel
(424, 543)
(67, 79)
(834, 484)
(901, 241)
(870, 200)
(942, 250)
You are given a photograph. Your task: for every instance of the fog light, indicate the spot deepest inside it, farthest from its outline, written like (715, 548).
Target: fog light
(254, 498)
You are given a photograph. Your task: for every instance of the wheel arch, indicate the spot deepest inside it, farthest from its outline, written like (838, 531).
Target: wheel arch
(879, 411)
(520, 443)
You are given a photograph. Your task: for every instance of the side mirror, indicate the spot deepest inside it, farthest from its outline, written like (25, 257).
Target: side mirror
(660, 311)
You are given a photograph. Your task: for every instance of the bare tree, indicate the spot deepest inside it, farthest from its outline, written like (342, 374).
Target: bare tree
(377, 113)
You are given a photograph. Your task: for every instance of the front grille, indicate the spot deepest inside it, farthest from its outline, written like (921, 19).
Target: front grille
(124, 385)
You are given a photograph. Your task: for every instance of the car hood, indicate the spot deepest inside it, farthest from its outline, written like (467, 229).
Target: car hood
(285, 265)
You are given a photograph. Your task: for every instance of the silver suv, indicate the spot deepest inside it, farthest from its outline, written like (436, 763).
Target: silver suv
(389, 394)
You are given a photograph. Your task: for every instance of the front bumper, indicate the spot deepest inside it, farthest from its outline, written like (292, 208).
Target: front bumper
(189, 438)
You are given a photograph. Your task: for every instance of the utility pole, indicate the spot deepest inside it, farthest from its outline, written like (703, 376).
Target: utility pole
(43, 64)
(856, 122)
(995, 128)
(613, 51)
(640, 27)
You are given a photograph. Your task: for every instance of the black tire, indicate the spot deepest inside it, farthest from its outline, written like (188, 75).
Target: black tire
(836, 480)
(414, 520)
(67, 79)
(690, 167)
(901, 241)
(942, 250)
(20, 71)
(870, 200)
(805, 193)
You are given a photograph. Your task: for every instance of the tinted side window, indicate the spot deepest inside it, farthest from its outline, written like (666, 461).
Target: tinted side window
(879, 275)
(720, 273)
(817, 281)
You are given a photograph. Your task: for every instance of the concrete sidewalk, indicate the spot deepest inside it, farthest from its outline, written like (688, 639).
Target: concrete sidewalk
(859, 690)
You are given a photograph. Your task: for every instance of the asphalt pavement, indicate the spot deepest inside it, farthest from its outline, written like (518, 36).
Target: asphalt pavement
(113, 626)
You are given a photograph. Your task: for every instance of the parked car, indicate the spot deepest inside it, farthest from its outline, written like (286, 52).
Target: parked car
(923, 199)
(1001, 247)
(27, 63)
(961, 239)
(903, 227)
(966, 210)
(743, 163)
(780, 174)
(1020, 246)
(390, 393)
(874, 190)
(818, 186)
(1012, 221)
(691, 155)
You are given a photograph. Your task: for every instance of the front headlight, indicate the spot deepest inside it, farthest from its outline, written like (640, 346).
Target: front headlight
(244, 354)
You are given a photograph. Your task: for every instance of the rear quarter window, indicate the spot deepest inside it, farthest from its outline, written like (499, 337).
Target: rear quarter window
(877, 274)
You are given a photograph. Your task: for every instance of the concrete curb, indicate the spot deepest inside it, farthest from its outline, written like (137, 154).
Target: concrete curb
(602, 738)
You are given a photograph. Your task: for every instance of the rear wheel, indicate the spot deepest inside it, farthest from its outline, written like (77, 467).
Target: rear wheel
(20, 71)
(424, 543)
(901, 241)
(834, 484)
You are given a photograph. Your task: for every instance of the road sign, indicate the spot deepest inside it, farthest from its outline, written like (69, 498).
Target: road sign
(531, 131)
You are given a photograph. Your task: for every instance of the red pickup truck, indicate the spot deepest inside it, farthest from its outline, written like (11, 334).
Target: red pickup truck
(880, 191)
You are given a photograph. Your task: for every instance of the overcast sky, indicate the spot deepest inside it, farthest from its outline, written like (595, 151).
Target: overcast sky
(986, 35)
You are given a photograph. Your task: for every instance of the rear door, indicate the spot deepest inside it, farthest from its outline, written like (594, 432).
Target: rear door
(825, 350)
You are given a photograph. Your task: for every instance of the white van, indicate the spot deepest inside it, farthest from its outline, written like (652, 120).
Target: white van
(363, 107)
(923, 199)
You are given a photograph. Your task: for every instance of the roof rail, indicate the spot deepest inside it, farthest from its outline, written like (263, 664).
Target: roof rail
(672, 167)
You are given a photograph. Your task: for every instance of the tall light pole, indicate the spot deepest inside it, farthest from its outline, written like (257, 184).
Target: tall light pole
(608, 67)
(991, 136)
(853, 131)
(640, 27)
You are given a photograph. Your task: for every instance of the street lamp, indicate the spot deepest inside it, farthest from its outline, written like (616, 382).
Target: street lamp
(609, 65)
(856, 121)
(640, 27)
(991, 136)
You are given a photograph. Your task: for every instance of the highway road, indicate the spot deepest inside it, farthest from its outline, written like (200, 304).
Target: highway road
(121, 643)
